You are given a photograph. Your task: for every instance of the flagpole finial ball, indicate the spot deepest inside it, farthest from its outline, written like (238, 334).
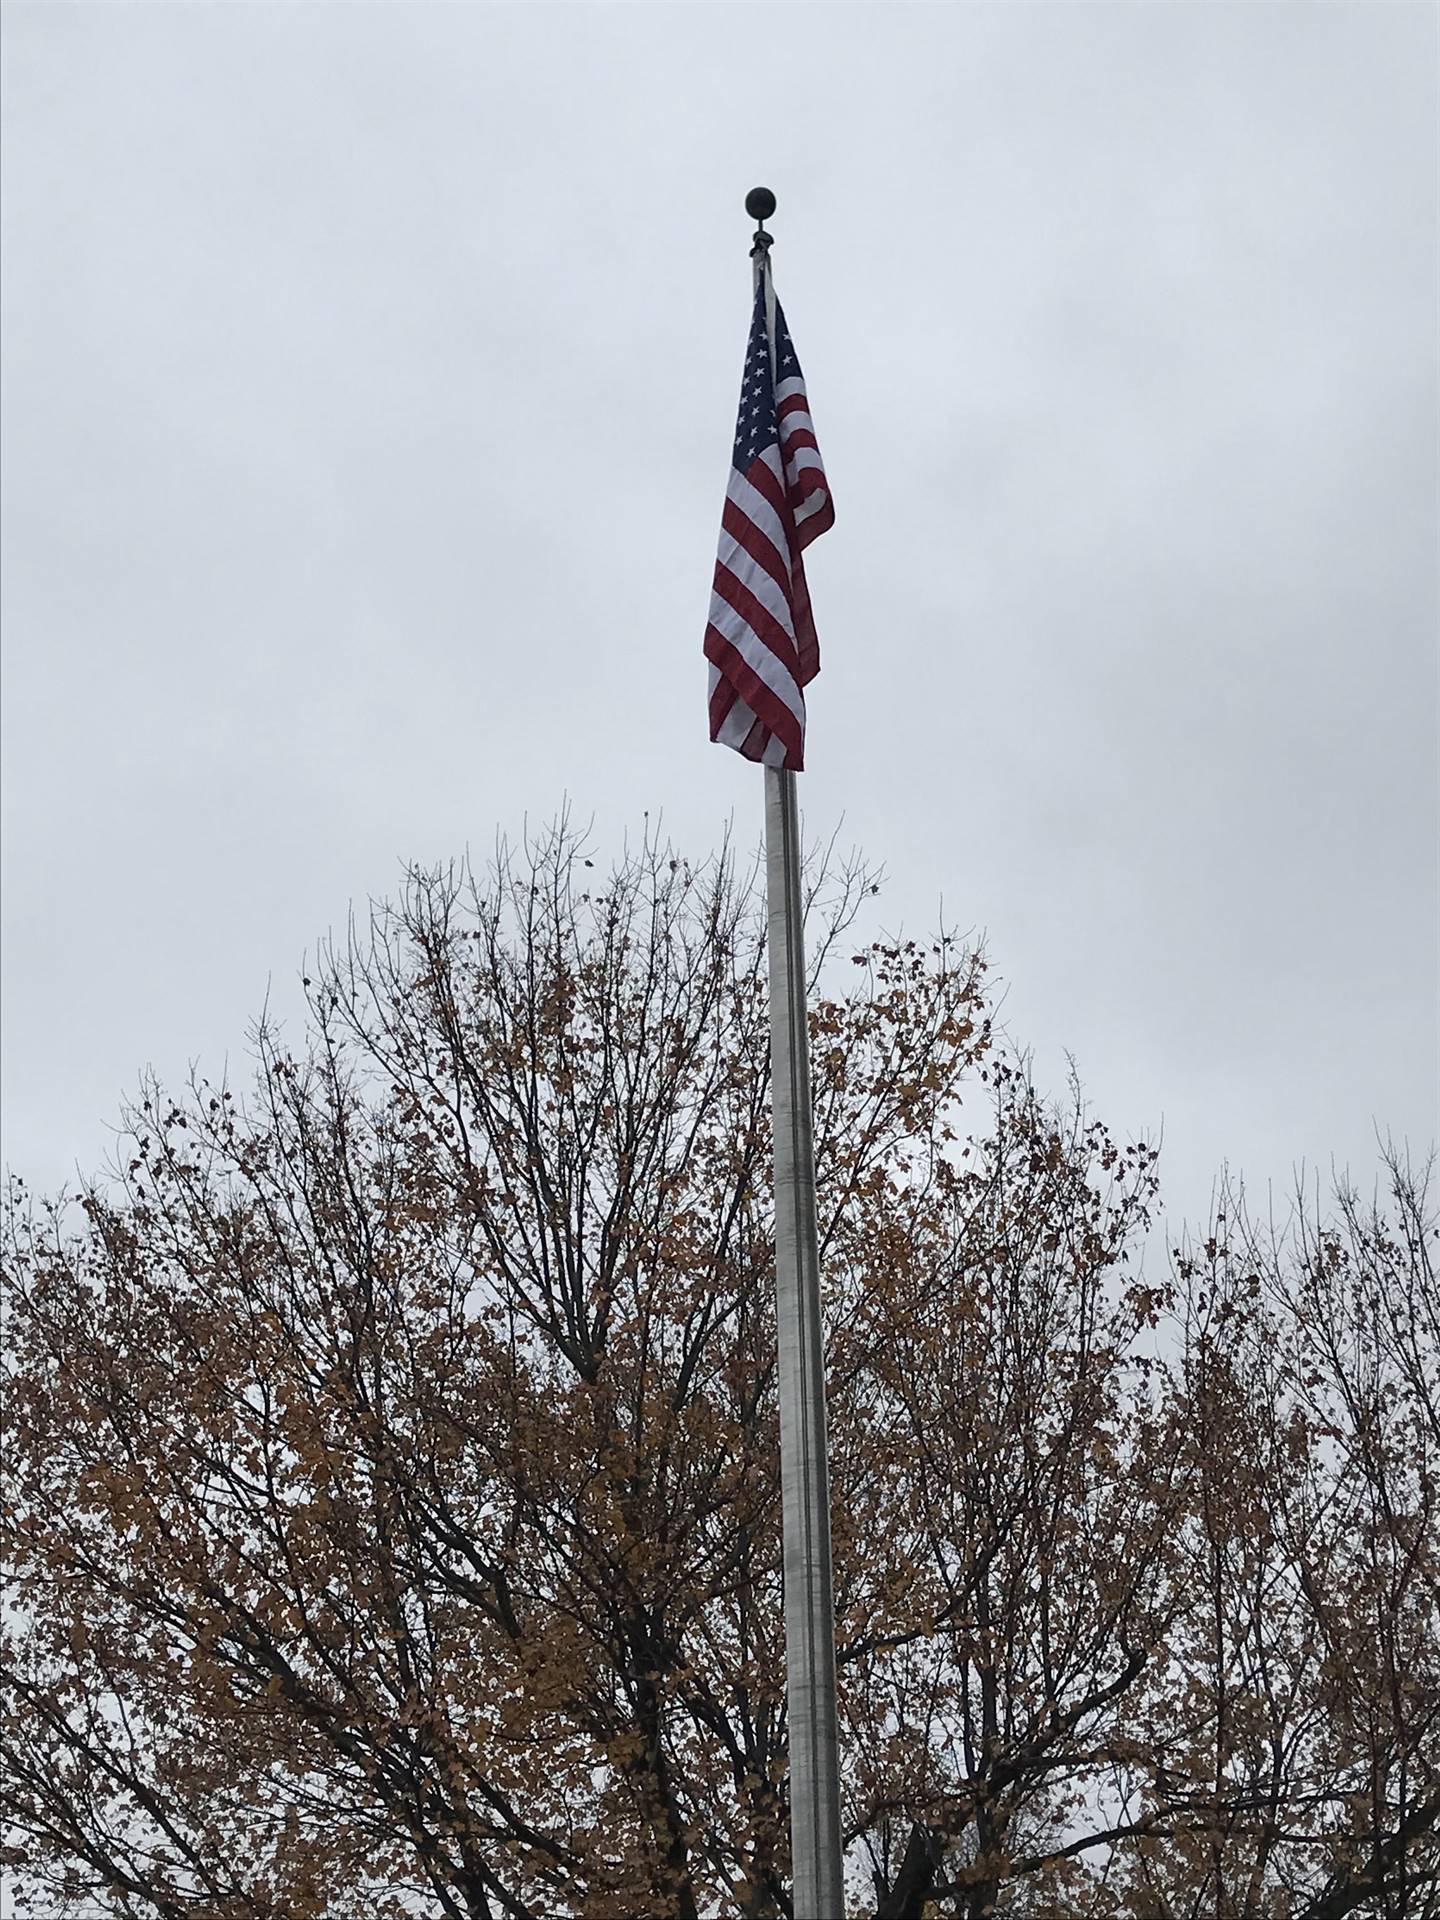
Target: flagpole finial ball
(760, 203)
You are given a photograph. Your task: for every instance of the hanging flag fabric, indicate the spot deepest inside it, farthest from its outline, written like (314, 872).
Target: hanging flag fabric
(760, 640)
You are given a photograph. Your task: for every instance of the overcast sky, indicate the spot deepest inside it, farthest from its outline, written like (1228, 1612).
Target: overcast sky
(369, 377)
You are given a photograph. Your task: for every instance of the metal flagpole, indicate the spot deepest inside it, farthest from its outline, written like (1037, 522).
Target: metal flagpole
(804, 1457)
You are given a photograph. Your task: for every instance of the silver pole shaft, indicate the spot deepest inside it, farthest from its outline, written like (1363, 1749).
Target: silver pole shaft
(804, 1457)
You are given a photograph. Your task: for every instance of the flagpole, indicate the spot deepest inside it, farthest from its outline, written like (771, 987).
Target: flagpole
(818, 1885)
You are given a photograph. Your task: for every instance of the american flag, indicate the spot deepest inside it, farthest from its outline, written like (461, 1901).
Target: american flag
(760, 641)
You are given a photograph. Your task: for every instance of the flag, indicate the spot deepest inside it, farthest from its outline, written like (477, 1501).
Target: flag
(760, 640)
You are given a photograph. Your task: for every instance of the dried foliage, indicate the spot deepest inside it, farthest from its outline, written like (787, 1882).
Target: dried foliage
(392, 1452)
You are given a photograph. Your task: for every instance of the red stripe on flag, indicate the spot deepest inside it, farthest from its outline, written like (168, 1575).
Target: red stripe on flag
(760, 547)
(765, 705)
(770, 486)
(816, 524)
(758, 617)
(767, 483)
(756, 741)
(758, 736)
(722, 697)
(807, 644)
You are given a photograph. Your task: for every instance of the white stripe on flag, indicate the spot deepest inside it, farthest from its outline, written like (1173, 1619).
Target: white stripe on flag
(757, 509)
(759, 580)
(757, 656)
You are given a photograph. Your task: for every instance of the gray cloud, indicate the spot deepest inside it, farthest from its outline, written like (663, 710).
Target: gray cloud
(368, 377)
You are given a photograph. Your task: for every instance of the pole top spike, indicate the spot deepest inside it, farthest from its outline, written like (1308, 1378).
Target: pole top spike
(760, 204)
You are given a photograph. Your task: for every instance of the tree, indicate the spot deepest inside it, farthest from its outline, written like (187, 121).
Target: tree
(393, 1450)
(1311, 1365)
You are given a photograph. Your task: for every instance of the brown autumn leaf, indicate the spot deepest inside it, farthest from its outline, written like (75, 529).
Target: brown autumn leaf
(391, 1456)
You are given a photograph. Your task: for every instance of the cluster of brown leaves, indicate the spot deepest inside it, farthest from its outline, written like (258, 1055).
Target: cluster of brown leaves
(392, 1454)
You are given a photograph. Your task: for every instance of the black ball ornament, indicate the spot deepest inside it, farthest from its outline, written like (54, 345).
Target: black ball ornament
(760, 203)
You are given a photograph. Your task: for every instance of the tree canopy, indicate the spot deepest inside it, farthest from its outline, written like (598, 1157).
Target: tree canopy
(393, 1513)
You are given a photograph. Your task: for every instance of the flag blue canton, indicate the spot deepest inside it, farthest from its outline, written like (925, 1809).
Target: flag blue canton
(757, 426)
